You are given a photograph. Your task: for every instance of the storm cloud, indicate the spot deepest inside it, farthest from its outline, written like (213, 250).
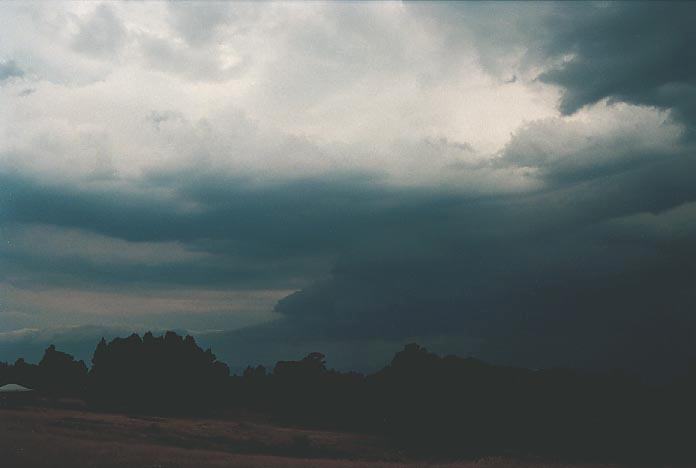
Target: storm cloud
(285, 177)
(642, 54)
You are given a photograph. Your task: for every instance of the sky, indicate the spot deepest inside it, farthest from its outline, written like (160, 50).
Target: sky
(512, 181)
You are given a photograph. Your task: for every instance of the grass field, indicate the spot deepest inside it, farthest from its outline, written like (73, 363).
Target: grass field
(47, 437)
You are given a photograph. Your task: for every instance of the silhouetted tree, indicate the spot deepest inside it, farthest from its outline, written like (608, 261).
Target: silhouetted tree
(168, 373)
(425, 403)
(61, 374)
(21, 373)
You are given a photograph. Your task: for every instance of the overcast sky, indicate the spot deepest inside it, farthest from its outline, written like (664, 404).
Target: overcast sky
(514, 181)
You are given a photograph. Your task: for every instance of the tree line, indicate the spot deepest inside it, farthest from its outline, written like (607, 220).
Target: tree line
(428, 404)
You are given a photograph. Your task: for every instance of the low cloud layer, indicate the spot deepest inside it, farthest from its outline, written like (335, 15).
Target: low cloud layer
(352, 176)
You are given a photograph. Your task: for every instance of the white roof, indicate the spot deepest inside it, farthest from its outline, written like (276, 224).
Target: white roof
(12, 388)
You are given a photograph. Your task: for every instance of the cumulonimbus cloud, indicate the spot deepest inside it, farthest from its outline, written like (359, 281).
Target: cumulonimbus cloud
(395, 179)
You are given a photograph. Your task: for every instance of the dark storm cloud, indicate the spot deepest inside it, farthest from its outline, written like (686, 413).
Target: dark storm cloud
(223, 208)
(543, 280)
(229, 273)
(276, 234)
(635, 52)
(642, 53)
(526, 279)
(594, 267)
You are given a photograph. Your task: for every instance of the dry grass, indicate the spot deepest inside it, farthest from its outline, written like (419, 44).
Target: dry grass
(44, 438)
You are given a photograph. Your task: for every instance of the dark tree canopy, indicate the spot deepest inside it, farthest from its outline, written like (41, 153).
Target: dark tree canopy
(61, 374)
(156, 373)
(427, 404)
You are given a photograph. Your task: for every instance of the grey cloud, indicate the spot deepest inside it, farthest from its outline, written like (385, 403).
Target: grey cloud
(527, 280)
(592, 266)
(101, 35)
(273, 234)
(443, 144)
(548, 269)
(239, 226)
(170, 56)
(519, 284)
(10, 69)
(501, 33)
(199, 22)
(159, 117)
(638, 53)
(561, 151)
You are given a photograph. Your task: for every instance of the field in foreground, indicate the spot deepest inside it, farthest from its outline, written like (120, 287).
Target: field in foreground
(45, 437)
